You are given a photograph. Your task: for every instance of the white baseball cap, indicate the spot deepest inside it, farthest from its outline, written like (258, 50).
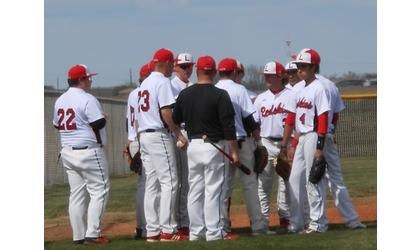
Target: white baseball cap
(184, 58)
(308, 56)
(273, 68)
(290, 66)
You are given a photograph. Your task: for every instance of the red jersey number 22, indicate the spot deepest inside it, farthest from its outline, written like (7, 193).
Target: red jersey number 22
(145, 106)
(69, 115)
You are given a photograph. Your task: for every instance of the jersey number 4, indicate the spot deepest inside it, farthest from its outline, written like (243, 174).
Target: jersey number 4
(69, 114)
(145, 106)
(302, 119)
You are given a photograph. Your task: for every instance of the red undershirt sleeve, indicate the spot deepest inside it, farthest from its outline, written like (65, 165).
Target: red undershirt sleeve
(290, 119)
(323, 123)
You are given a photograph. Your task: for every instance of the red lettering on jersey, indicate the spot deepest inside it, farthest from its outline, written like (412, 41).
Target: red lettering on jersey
(302, 103)
(273, 110)
(69, 124)
(146, 105)
(302, 118)
(132, 116)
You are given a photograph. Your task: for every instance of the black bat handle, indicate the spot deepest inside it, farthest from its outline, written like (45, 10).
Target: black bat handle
(245, 169)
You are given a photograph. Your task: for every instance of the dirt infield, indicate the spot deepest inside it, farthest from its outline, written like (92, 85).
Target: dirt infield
(116, 224)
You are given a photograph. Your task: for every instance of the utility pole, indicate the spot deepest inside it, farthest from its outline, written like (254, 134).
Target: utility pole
(58, 82)
(289, 51)
(131, 77)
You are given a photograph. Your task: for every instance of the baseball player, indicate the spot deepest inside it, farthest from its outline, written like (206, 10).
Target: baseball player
(183, 69)
(291, 75)
(308, 113)
(243, 118)
(133, 145)
(240, 76)
(270, 113)
(157, 150)
(333, 174)
(207, 111)
(81, 123)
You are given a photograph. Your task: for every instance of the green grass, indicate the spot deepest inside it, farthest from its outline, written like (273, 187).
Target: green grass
(359, 175)
(336, 238)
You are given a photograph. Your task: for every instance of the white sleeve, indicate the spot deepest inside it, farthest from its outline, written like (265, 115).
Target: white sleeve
(321, 101)
(93, 110)
(339, 103)
(291, 101)
(257, 114)
(246, 104)
(165, 94)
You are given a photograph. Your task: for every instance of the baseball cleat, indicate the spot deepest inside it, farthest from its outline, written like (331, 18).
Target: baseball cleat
(99, 240)
(284, 223)
(231, 236)
(184, 231)
(308, 231)
(358, 225)
(155, 238)
(138, 234)
(78, 242)
(259, 233)
(173, 237)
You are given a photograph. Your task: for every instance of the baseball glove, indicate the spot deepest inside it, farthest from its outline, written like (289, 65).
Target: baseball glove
(282, 166)
(134, 162)
(318, 169)
(261, 159)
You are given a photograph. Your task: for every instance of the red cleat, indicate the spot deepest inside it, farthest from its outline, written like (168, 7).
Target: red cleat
(173, 237)
(184, 231)
(231, 236)
(284, 223)
(155, 238)
(99, 240)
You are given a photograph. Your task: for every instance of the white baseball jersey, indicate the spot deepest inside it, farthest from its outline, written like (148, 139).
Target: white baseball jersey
(178, 85)
(334, 97)
(270, 112)
(155, 93)
(73, 111)
(132, 109)
(251, 94)
(308, 102)
(242, 104)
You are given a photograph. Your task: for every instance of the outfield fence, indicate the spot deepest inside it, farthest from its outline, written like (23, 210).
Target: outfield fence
(356, 134)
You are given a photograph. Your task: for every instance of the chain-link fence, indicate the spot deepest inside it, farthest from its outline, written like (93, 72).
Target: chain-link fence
(356, 134)
(356, 131)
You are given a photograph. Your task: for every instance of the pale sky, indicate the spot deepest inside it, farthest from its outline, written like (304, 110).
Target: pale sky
(112, 36)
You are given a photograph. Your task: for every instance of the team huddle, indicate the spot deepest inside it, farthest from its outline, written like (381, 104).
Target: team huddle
(186, 141)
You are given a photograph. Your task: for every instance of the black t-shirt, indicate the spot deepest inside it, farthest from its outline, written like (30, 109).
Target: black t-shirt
(206, 110)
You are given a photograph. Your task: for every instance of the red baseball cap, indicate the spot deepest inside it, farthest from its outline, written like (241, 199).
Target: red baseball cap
(79, 71)
(206, 62)
(273, 68)
(152, 65)
(145, 70)
(309, 56)
(163, 55)
(228, 64)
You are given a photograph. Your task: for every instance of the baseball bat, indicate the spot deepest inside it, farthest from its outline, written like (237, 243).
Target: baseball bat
(241, 167)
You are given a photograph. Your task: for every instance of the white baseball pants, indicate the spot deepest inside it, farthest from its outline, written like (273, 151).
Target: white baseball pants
(336, 184)
(249, 185)
(141, 185)
(158, 157)
(299, 177)
(265, 184)
(87, 172)
(182, 168)
(208, 170)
